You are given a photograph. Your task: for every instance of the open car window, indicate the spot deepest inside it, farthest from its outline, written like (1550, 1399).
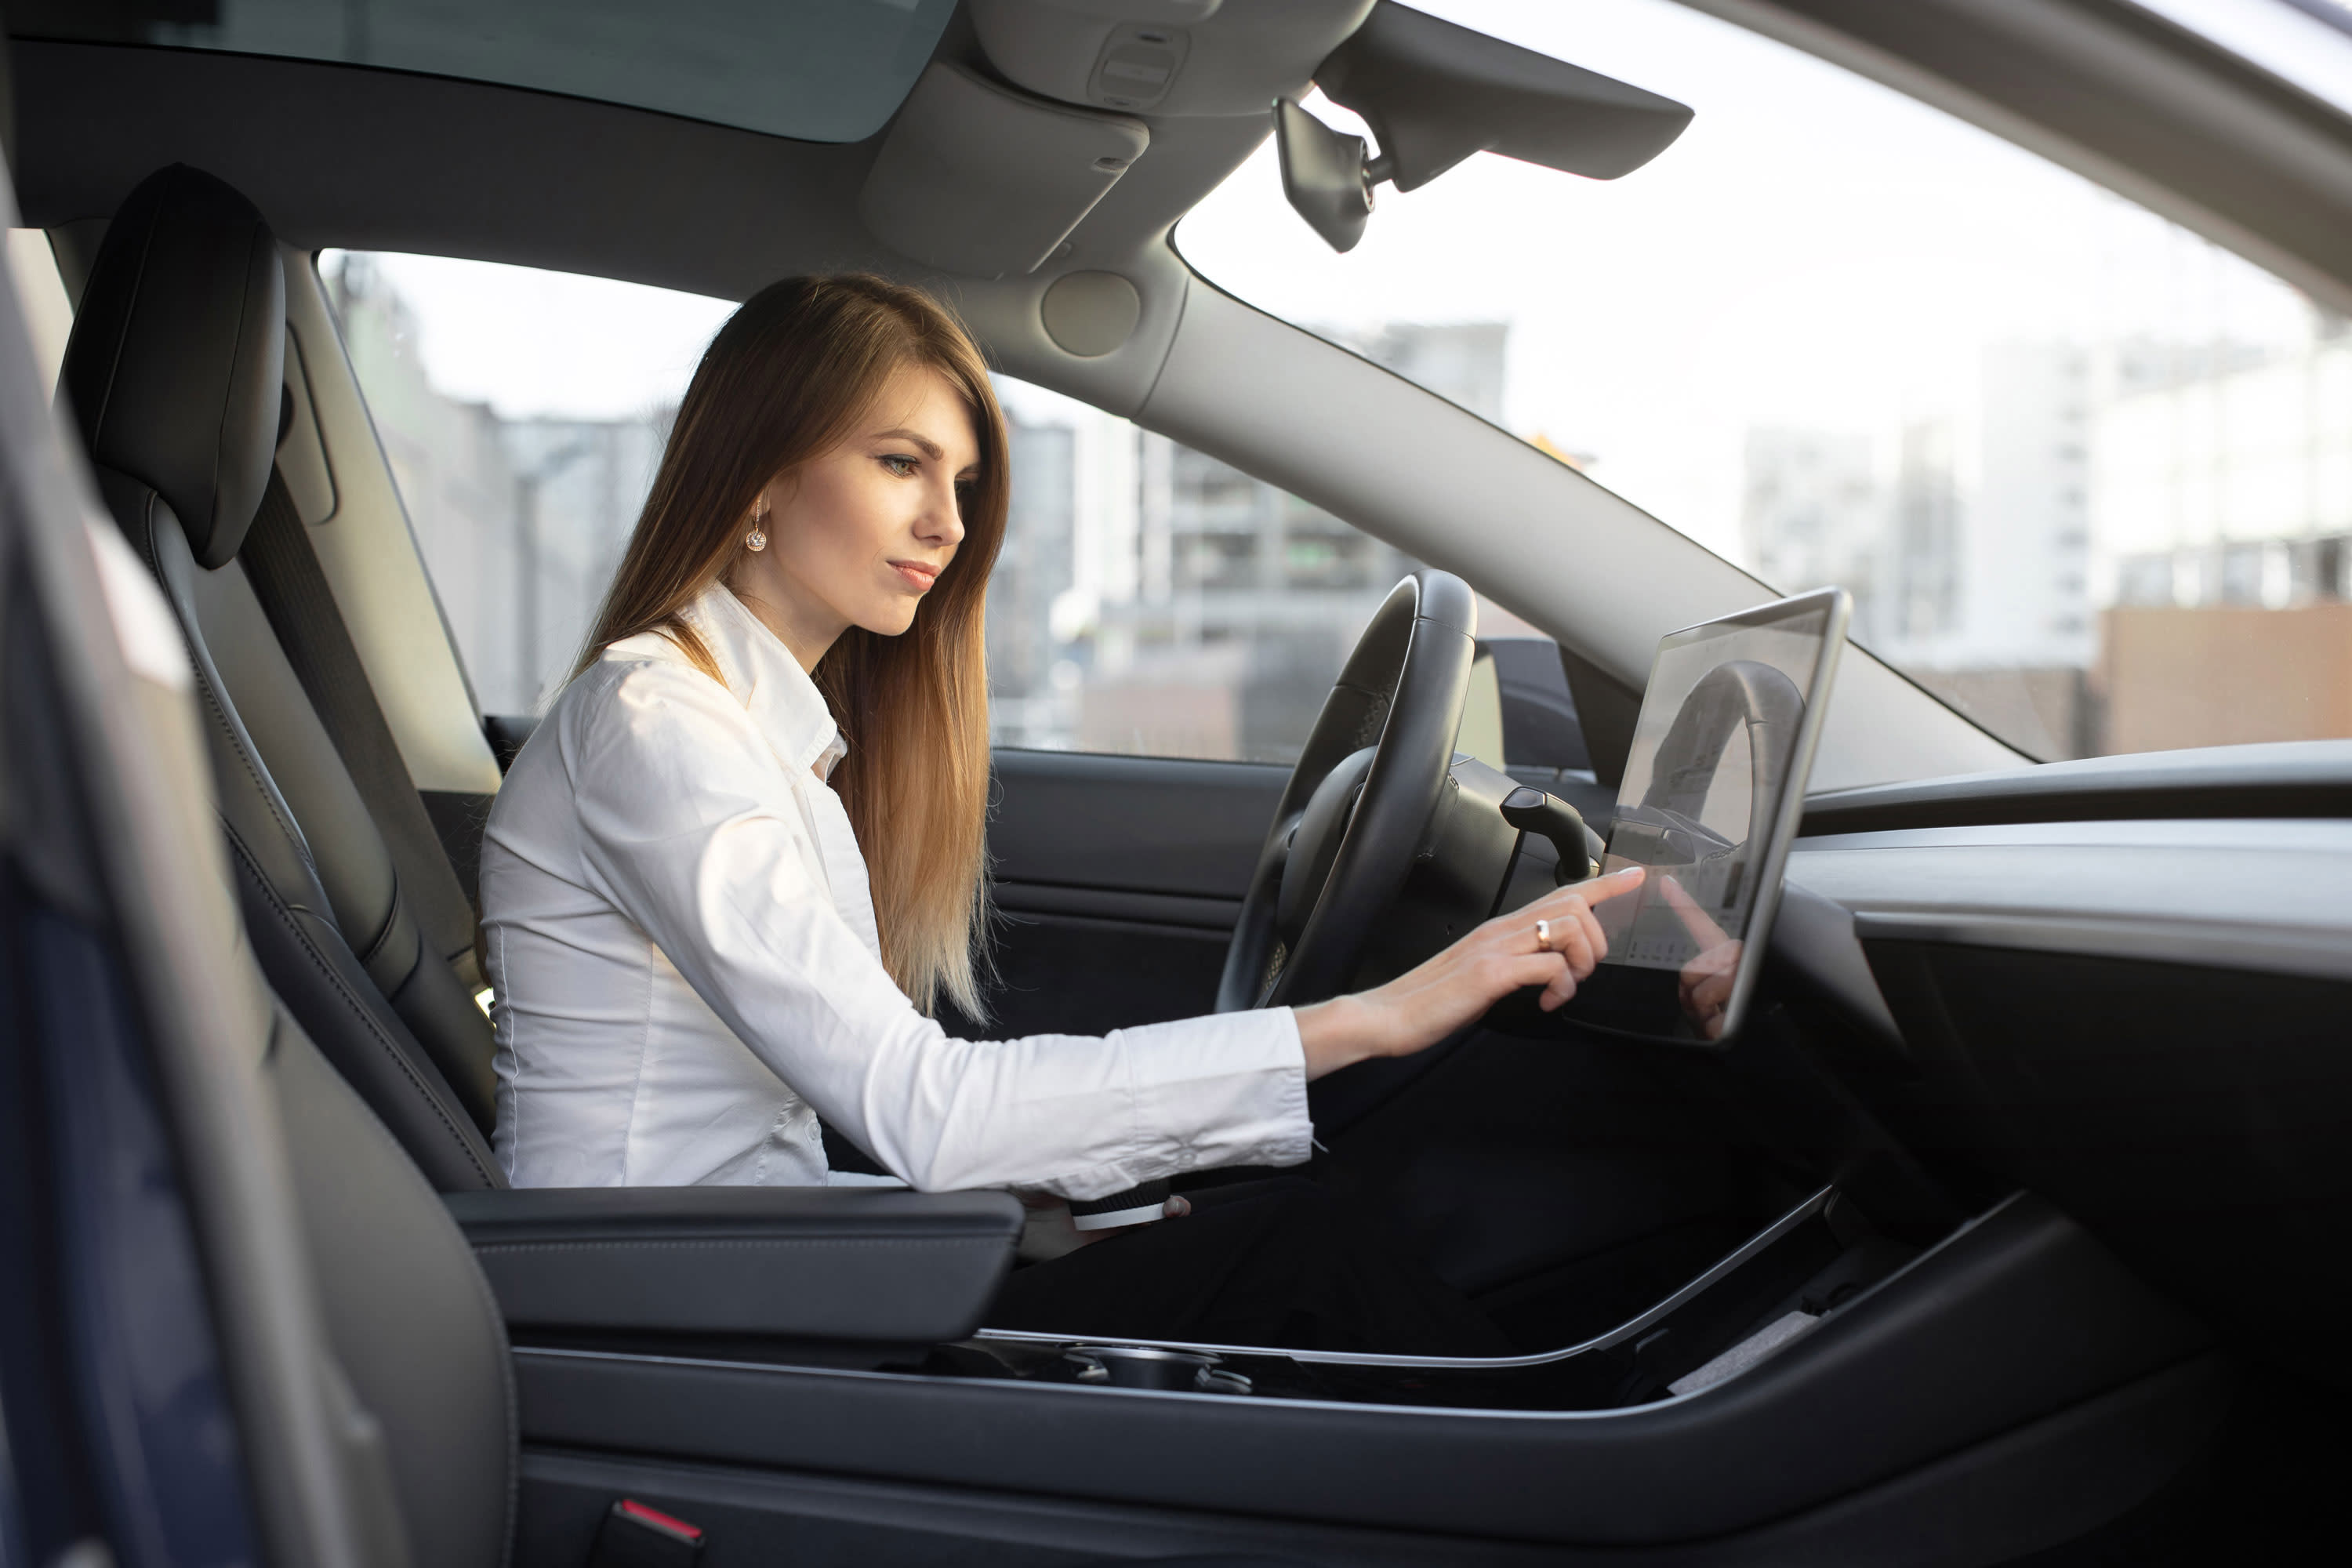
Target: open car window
(1150, 600)
(2087, 475)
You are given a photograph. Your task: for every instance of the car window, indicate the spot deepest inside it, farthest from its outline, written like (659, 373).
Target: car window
(1155, 601)
(1150, 600)
(523, 441)
(2088, 476)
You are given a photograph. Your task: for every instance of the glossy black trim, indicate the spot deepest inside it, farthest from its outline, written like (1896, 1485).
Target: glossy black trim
(1755, 1245)
(2018, 1316)
(2286, 778)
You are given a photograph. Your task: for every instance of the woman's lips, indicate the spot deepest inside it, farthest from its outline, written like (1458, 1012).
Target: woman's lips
(915, 574)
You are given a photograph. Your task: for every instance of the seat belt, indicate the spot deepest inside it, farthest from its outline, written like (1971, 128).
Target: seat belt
(292, 588)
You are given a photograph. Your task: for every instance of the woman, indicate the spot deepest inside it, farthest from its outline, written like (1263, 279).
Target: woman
(715, 915)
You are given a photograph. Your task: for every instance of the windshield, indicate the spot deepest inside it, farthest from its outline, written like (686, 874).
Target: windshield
(819, 70)
(2088, 476)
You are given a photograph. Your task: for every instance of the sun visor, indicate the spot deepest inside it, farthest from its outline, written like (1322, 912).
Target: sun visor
(1435, 93)
(977, 179)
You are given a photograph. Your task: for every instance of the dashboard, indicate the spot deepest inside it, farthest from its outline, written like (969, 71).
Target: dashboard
(2142, 1013)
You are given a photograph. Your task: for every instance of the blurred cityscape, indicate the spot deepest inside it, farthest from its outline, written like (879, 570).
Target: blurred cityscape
(2123, 547)
(520, 521)
(1153, 600)
(2119, 547)
(1149, 599)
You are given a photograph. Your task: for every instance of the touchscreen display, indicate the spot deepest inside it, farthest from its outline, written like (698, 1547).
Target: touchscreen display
(1723, 738)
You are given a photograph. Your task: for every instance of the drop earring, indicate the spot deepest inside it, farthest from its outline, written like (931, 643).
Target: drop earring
(757, 539)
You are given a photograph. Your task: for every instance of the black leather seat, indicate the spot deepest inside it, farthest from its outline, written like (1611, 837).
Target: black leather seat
(175, 375)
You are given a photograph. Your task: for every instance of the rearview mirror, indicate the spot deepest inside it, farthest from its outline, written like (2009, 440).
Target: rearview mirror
(1325, 173)
(1433, 93)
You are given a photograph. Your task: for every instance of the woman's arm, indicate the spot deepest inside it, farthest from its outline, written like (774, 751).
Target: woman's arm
(1424, 1006)
(689, 826)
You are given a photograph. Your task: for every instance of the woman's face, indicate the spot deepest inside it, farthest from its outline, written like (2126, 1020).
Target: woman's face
(857, 535)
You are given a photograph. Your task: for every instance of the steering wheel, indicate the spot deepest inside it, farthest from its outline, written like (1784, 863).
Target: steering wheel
(1353, 816)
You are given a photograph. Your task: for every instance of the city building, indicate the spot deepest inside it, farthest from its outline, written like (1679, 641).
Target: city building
(2228, 484)
(521, 522)
(1962, 534)
(2124, 546)
(2221, 523)
(2027, 553)
(1189, 609)
(1813, 511)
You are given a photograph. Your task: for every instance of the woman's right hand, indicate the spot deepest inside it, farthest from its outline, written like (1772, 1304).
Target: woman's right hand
(1424, 1006)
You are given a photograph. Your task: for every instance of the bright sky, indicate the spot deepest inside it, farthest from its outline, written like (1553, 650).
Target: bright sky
(530, 342)
(1815, 250)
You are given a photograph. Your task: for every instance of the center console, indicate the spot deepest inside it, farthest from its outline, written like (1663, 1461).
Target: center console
(1791, 1274)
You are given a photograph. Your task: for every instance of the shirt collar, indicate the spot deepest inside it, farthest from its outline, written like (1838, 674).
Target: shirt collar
(768, 680)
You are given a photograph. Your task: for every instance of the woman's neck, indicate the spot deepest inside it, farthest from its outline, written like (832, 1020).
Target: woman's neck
(807, 630)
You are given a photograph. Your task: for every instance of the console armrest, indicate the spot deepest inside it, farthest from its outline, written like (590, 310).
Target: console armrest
(801, 1263)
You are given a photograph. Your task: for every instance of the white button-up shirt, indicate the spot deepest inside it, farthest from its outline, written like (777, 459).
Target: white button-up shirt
(682, 942)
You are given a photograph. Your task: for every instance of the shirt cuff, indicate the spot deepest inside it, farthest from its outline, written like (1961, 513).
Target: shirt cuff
(1209, 1094)
(1298, 1137)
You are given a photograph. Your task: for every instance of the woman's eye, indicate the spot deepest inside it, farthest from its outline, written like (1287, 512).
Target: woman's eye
(901, 465)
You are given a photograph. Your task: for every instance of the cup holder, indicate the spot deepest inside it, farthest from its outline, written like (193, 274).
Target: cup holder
(1141, 1366)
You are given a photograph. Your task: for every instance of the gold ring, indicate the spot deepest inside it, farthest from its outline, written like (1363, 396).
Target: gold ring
(1543, 936)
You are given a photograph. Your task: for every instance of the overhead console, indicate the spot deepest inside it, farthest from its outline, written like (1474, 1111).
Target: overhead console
(978, 180)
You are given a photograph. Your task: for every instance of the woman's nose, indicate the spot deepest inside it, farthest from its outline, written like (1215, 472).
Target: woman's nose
(942, 522)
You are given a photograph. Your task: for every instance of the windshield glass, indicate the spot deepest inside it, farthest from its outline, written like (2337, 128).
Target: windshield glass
(2088, 476)
(819, 70)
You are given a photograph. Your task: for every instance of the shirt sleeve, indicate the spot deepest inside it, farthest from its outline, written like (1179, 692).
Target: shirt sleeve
(694, 832)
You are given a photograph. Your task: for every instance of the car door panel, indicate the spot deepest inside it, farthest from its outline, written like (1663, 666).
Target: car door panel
(1157, 825)
(1117, 881)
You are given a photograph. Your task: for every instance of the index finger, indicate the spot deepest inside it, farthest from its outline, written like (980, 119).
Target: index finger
(1593, 890)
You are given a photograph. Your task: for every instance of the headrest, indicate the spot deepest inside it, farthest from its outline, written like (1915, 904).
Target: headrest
(178, 353)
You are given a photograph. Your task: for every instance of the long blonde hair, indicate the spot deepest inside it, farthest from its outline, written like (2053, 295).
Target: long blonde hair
(784, 381)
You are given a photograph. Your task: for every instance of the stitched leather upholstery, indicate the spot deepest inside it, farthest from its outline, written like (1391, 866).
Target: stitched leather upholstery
(290, 918)
(178, 322)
